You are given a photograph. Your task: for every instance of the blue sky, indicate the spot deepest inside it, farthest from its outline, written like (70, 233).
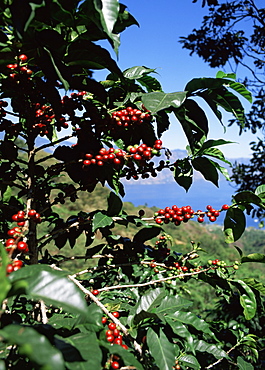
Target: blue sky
(155, 44)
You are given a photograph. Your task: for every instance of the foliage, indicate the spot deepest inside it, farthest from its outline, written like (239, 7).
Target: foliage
(232, 33)
(53, 318)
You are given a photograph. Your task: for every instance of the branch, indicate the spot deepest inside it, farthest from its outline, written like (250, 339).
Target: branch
(104, 309)
(53, 143)
(221, 359)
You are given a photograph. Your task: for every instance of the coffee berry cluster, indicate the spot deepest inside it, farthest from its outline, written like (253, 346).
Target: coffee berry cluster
(130, 117)
(114, 336)
(138, 155)
(16, 242)
(20, 70)
(177, 215)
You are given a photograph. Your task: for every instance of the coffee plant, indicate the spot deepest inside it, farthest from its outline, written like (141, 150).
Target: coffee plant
(125, 308)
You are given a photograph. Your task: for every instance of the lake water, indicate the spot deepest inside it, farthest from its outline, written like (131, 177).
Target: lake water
(199, 196)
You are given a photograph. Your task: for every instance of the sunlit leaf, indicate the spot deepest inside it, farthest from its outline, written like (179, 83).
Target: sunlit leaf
(247, 299)
(29, 343)
(156, 101)
(52, 286)
(161, 349)
(101, 220)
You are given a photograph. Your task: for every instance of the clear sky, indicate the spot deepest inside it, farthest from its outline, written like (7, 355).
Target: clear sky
(155, 44)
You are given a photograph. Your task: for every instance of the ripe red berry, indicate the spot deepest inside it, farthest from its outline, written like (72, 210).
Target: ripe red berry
(116, 332)
(23, 58)
(32, 213)
(124, 346)
(112, 326)
(116, 314)
(225, 207)
(212, 218)
(159, 221)
(118, 341)
(110, 338)
(9, 268)
(115, 365)
(22, 246)
(104, 320)
(95, 292)
(200, 219)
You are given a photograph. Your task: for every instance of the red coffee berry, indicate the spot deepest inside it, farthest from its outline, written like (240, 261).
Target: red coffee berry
(116, 332)
(225, 207)
(109, 332)
(32, 213)
(9, 268)
(110, 338)
(115, 365)
(124, 346)
(116, 314)
(200, 219)
(23, 58)
(118, 341)
(112, 326)
(22, 246)
(95, 292)
(104, 320)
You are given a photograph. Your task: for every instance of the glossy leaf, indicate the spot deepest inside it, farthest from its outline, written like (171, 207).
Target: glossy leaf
(253, 283)
(207, 168)
(244, 365)
(150, 83)
(161, 349)
(183, 176)
(114, 205)
(138, 72)
(260, 191)
(190, 318)
(247, 299)
(52, 286)
(29, 342)
(182, 331)
(147, 233)
(156, 101)
(254, 257)
(190, 361)
(172, 304)
(108, 11)
(86, 353)
(202, 346)
(101, 220)
(150, 300)
(234, 224)
(247, 197)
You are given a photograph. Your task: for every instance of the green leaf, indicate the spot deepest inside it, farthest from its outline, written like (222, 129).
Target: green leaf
(101, 220)
(52, 286)
(247, 197)
(7, 194)
(255, 284)
(182, 331)
(29, 342)
(57, 69)
(243, 365)
(207, 168)
(247, 299)
(84, 352)
(161, 349)
(172, 304)
(114, 205)
(189, 361)
(221, 74)
(234, 224)
(156, 101)
(108, 11)
(260, 191)
(147, 233)
(183, 174)
(202, 346)
(5, 284)
(151, 83)
(138, 72)
(254, 257)
(190, 318)
(150, 300)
